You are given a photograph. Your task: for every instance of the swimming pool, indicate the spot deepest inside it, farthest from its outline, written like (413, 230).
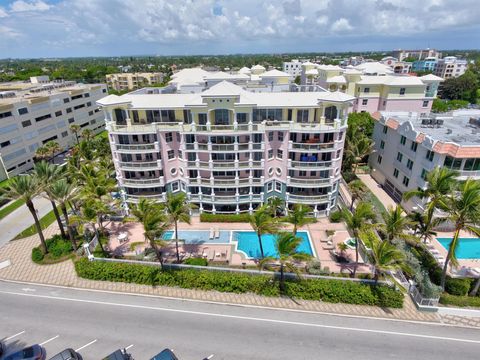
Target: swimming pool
(198, 236)
(248, 243)
(467, 248)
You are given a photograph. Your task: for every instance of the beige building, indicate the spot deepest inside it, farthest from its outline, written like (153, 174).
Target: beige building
(449, 67)
(132, 81)
(33, 113)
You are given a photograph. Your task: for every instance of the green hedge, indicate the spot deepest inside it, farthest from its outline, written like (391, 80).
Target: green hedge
(334, 291)
(336, 216)
(472, 301)
(227, 218)
(57, 247)
(196, 261)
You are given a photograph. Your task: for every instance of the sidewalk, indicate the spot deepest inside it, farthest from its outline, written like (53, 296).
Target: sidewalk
(377, 190)
(63, 274)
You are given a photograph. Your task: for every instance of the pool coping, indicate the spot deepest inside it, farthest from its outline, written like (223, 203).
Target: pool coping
(202, 243)
(464, 237)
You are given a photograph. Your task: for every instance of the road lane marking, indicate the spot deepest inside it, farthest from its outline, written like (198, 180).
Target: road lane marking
(257, 319)
(47, 341)
(129, 346)
(84, 346)
(28, 290)
(11, 337)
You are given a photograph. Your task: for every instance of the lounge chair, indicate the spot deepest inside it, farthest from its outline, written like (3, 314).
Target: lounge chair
(328, 246)
(217, 233)
(211, 255)
(224, 253)
(212, 234)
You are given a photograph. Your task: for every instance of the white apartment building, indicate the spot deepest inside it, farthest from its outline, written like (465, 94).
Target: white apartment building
(449, 67)
(417, 54)
(293, 68)
(132, 81)
(408, 146)
(33, 113)
(229, 149)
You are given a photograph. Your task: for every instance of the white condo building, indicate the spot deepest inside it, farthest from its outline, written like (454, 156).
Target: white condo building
(35, 112)
(449, 67)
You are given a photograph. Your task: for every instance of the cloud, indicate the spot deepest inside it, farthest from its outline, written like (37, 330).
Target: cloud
(3, 13)
(22, 6)
(9, 33)
(341, 25)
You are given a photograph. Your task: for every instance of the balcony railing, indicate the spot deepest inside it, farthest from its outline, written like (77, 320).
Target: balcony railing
(311, 146)
(226, 199)
(144, 128)
(143, 182)
(226, 182)
(311, 164)
(136, 147)
(135, 198)
(308, 182)
(215, 165)
(140, 165)
(306, 199)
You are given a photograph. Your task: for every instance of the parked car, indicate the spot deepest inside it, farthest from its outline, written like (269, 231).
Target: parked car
(120, 354)
(2, 348)
(34, 352)
(168, 354)
(67, 354)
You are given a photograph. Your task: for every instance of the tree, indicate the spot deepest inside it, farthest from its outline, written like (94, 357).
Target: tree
(26, 188)
(357, 149)
(464, 212)
(298, 217)
(178, 209)
(87, 134)
(63, 192)
(47, 174)
(87, 216)
(383, 255)
(75, 129)
(358, 220)
(42, 153)
(262, 223)
(277, 205)
(154, 222)
(52, 148)
(422, 228)
(357, 191)
(396, 223)
(463, 87)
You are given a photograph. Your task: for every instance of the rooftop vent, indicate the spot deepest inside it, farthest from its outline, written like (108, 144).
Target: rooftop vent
(475, 122)
(449, 131)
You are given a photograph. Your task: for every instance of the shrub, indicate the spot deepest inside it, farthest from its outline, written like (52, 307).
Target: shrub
(196, 261)
(473, 301)
(227, 218)
(57, 247)
(37, 255)
(312, 289)
(336, 216)
(457, 287)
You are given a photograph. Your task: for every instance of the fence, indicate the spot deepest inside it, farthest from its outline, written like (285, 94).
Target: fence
(422, 302)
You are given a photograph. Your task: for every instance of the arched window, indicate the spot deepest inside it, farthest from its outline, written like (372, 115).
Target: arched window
(331, 112)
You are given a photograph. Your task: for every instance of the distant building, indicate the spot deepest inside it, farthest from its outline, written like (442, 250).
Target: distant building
(408, 146)
(449, 67)
(427, 64)
(398, 67)
(294, 67)
(416, 54)
(33, 113)
(353, 61)
(132, 81)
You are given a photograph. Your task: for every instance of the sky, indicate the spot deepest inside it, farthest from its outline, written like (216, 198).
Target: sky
(73, 28)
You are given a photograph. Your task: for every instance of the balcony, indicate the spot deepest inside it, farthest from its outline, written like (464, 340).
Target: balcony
(221, 129)
(141, 165)
(136, 198)
(310, 165)
(216, 165)
(306, 199)
(231, 182)
(136, 148)
(142, 183)
(309, 147)
(314, 182)
(151, 128)
(464, 174)
(226, 199)
(323, 125)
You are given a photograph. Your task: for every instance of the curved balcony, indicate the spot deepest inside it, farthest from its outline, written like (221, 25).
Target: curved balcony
(312, 147)
(306, 199)
(136, 198)
(310, 165)
(152, 128)
(136, 148)
(222, 165)
(226, 199)
(142, 183)
(302, 182)
(227, 182)
(141, 165)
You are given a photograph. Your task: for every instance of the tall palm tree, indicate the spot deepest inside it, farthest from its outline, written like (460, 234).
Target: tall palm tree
(47, 174)
(178, 209)
(358, 148)
(357, 191)
(63, 192)
(87, 216)
(87, 134)
(424, 229)
(359, 220)
(298, 217)
(75, 129)
(396, 224)
(262, 223)
(53, 148)
(383, 255)
(26, 187)
(464, 212)
(276, 205)
(42, 153)
(154, 223)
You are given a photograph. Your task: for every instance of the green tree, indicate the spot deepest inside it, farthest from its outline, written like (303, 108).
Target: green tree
(52, 149)
(262, 223)
(423, 228)
(88, 216)
(26, 188)
(178, 209)
(357, 191)
(464, 212)
(63, 192)
(298, 217)
(75, 129)
(396, 223)
(277, 205)
(463, 87)
(358, 149)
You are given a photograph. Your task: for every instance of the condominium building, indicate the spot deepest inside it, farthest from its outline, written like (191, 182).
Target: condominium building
(408, 146)
(398, 67)
(417, 54)
(132, 81)
(427, 64)
(449, 67)
(229, 149)
(35, 112)
(293, 68)
(375, 86)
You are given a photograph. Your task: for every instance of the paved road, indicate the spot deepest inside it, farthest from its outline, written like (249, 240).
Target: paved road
(99, 322)
(20, 219)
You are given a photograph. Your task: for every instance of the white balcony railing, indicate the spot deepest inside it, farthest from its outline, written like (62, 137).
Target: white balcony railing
(134, 148)
(306, 199)
(145, 165)
(143, 182)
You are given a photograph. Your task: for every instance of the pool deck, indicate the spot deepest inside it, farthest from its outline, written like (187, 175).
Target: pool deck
(226, 252)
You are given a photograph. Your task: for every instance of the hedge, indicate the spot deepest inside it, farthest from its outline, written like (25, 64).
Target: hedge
(58, 248)
(472, 301)
(196, 261)
(333, 291)
(227, 218)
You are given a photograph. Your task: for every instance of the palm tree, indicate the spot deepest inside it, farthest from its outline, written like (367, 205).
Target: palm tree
(276, 205)
(358, 220)
(357, 191)
(396, 223)
(383, 255)
(262, 223)
(53, 148)
(464, 212)
(298, 217)
(154, 223)
(42, 153)
(75, 129)
(422, 227)
(358, 148)
(178, 209)
(87, 216)
(47, 174)
(87, 134)
(63, 192)
(26, 188)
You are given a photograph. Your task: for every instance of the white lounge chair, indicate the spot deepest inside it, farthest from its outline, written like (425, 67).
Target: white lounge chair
(217, 233)
(212, 234)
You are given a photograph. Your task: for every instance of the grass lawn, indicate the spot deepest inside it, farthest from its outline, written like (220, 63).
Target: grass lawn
(377, 204)
(10, 208)
(45, 221)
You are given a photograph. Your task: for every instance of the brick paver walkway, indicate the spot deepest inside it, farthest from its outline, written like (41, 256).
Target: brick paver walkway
(23, 269)
(375, 188)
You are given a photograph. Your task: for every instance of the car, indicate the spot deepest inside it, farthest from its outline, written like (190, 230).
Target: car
(67, 354)
(2, 348)
(34, 352)
(166, 354)
(119, 355)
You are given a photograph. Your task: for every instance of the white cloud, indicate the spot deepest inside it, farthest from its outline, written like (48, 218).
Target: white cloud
(8, 33)
(3, 13)
(21, 6)
(341, 25)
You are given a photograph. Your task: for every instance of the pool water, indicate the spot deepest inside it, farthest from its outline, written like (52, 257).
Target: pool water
(198, 236)
(248, 243)
(467, 248)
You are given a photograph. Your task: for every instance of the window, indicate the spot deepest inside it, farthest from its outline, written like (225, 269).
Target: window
(366, 90)
(170, 154)
(221, 117)
(242, 118)
(382, 144)
(425, 103)
(270, 136)
(168, 137)
(405, 181)
(26, 123)
(395, 173)
(270, 154)
(430, 155)
(58, 113)
(71, 120)
(278, 186)
(179, 137)
(280, 136)
(385, 129)
(69, 110)
(452, 163)
(66, 100)
(302, 115)
(280, 154)
(409, 164)
(364, 101)
(403, 139)
(379, 159)
(414, 146)
(64, 134)
(402, 91)
(175, 186)
(44, 117)
(22, 111)
(424, 174)
(399, 157)
(202, 119)
(270, 186)
(86, 95)
(187, 116)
